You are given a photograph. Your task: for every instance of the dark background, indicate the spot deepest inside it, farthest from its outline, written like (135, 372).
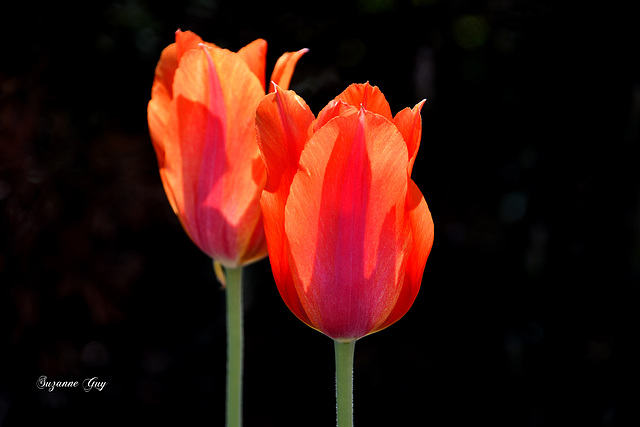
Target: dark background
(528, 314)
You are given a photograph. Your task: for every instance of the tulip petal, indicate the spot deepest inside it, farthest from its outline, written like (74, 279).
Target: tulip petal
(161, 95)
(255, 55)
(185, 41)
(212, 195)
(367, 96)
(162, 89)
(282, 119)
(421, 225)
(344, 220)
(333, 109)
(409, 123)
(191, 126)
(238, 200)
(284, 68)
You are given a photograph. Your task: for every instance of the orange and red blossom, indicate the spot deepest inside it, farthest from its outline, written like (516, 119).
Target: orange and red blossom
(202, 124)
(348, 230)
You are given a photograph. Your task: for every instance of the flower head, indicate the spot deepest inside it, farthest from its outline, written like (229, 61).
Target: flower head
(202, 124)
(348, 230)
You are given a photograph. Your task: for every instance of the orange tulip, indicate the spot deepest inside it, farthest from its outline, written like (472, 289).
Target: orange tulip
(202, 124)
(348, 231)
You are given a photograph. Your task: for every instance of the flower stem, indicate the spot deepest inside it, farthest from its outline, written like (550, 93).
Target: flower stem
(344, 382)
(234, 346)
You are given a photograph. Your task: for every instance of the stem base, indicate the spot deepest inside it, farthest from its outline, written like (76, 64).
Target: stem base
(234, 346)
(344, 382)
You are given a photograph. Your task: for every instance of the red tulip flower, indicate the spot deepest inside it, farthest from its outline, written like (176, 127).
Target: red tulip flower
(202, 123)
(348, 230)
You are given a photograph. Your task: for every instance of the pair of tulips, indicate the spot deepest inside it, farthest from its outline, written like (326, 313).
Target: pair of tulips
(330, 198)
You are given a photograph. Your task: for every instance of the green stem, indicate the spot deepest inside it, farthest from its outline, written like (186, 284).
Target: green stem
(234, 346)
(344, 382)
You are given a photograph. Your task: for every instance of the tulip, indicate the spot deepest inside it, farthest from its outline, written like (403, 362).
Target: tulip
(202, 124)
(348, 230)
(201, 120)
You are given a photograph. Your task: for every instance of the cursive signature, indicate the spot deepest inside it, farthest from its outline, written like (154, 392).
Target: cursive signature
(43, 383)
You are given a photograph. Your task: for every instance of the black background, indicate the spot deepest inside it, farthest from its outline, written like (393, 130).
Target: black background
(528, 314)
